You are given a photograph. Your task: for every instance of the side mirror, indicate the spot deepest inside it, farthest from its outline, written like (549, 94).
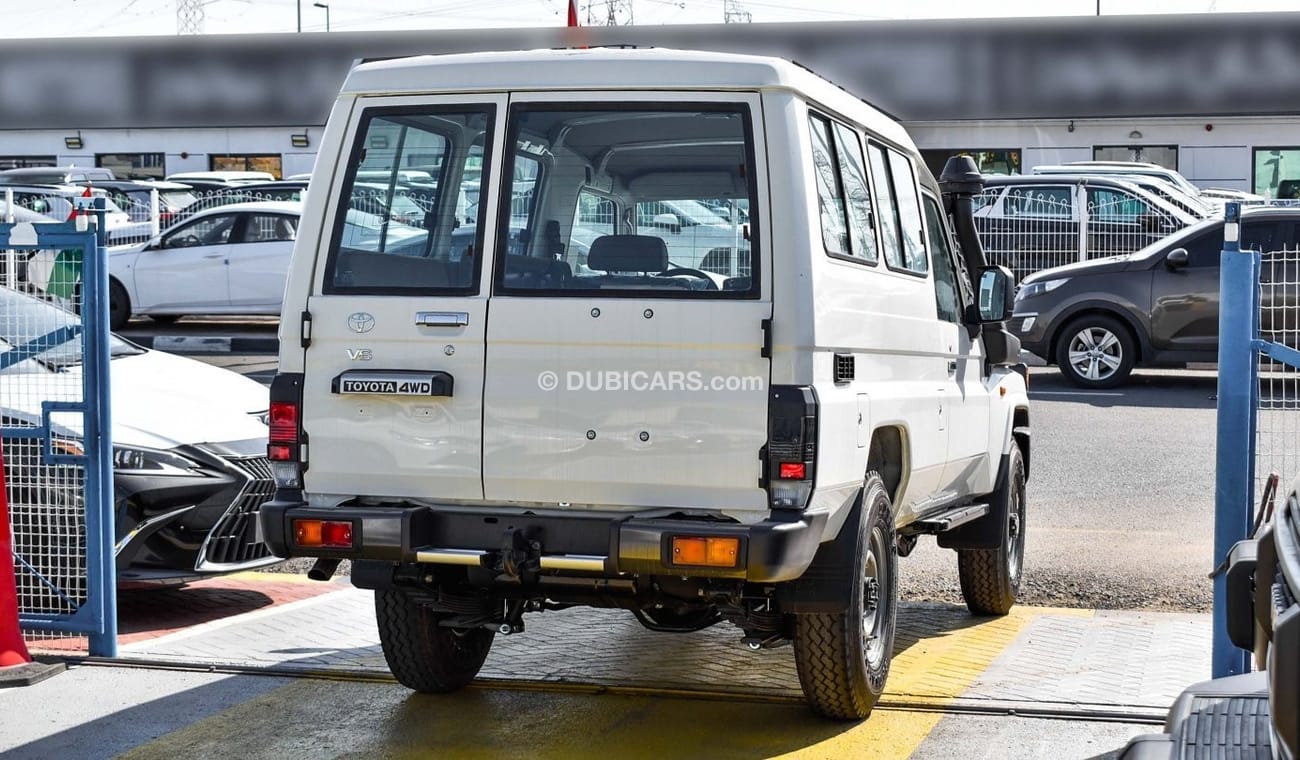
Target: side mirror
(668, 222)
(1176, 259)
(996, 294)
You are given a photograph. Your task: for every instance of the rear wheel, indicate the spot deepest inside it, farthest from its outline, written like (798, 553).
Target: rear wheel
(990, 578)
(422, 654)
(843, 658)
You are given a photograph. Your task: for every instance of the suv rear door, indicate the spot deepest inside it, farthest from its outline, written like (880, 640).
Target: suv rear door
(394, 368)
(618, 373)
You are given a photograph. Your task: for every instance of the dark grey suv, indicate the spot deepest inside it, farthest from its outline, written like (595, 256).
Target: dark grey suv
(1157, 307)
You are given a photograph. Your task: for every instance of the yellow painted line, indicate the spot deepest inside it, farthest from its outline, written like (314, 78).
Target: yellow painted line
(937, 670)
(356, 718)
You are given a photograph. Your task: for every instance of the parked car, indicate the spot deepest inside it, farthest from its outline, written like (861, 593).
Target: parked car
(133, 196)
(53, 175)
(1157, 307)
(220, 176)
(229, 259)
(189, 459)
(1031, 222)
(1122, 168)
(1229, 194)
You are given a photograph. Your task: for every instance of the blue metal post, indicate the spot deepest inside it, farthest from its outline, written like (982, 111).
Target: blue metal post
(99, 446)
(1235, 452)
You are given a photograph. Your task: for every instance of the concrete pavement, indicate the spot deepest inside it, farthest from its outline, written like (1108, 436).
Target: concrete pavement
(304, 676)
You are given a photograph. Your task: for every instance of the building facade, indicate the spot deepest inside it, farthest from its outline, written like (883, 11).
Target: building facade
(1215, 96)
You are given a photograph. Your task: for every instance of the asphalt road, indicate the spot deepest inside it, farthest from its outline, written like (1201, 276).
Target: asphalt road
(1121, 493)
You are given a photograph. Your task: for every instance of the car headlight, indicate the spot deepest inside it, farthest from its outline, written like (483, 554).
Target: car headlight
(1040, 287)
(133, 460)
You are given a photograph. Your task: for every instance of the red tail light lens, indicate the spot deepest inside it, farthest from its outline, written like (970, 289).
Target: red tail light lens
(793, 471)
(284, 423)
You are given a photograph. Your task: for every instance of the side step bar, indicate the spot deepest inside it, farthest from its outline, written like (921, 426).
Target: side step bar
(946, 520)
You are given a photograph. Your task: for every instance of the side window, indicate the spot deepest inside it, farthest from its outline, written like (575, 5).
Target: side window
(1115, 206)
(1040, 200)
(210, 230)
(1265, 237)
(909, 215)
(269, 228)
(595, 217)
(1204, 250)
(830, 195)
(887, 202)
(947, 292)
(857, 194)
(406, 222)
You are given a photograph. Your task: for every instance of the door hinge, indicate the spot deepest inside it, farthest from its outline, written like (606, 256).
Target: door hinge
(766, 351)
(306, 329)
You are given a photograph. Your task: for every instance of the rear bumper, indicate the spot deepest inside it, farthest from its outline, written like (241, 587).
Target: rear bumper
(777, 549)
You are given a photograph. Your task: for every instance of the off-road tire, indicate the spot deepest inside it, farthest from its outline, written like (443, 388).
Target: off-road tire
(1123, 349)
(990, 578)
(423, 655)
(841, 672)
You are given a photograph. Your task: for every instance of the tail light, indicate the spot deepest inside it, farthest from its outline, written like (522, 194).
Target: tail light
(286, 446)
(791, 451)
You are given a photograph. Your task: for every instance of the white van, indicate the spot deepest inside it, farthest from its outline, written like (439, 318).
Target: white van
(496, 418)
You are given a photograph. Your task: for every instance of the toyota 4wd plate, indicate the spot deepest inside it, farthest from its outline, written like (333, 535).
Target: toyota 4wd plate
(393, 383)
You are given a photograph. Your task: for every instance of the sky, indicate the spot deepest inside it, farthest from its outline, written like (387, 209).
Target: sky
(120, 18)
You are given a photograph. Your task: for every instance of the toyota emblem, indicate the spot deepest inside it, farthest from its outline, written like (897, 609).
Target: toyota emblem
(361, 322)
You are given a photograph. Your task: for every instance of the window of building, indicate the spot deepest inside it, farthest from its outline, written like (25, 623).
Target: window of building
(1276, 172)
(989, 161)
(1160, 155)
(133, 165)
(246, 163)
(22, 162)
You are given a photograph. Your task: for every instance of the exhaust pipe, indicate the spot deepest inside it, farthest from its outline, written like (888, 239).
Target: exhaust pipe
(324, 569)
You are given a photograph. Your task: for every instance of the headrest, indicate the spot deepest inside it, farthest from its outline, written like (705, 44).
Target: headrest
(628, 253)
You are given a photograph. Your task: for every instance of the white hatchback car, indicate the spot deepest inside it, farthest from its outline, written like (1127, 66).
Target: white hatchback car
(225, 260)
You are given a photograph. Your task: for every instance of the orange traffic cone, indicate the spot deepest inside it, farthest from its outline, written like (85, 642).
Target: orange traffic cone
(16, 666)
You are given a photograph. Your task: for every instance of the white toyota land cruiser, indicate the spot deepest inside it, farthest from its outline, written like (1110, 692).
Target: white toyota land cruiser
(557, 403)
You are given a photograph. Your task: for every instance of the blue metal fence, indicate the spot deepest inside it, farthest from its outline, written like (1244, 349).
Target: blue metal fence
(58, 448)
(1241, 348)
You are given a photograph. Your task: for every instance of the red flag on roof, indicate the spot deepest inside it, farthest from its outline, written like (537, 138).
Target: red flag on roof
(573, 12)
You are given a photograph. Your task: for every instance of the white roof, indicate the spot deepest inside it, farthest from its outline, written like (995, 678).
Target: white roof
(283, 207)
(609, 69)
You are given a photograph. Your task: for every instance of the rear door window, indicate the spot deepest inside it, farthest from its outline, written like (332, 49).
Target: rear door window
(405, 222)
(650, 195)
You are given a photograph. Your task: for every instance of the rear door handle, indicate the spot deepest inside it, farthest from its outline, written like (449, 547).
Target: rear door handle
(441, 318)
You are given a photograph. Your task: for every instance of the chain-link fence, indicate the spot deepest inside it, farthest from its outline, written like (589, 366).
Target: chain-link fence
(1278, 427)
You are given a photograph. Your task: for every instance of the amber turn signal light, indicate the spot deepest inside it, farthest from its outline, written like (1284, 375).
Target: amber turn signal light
(328, 534)
(712, 551)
